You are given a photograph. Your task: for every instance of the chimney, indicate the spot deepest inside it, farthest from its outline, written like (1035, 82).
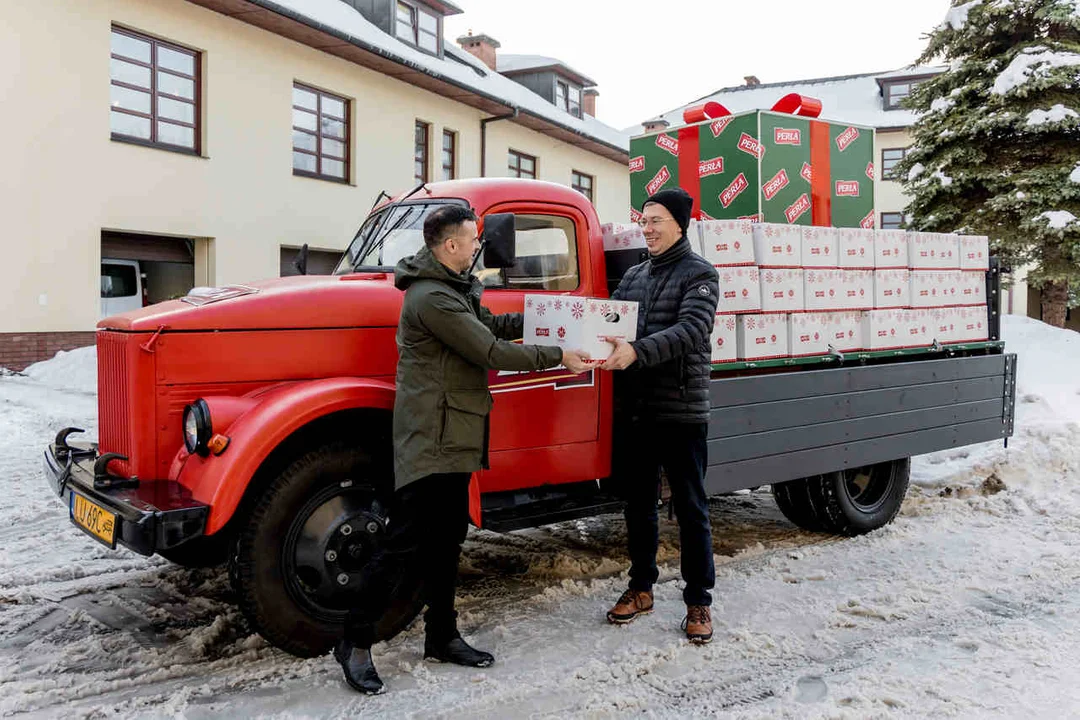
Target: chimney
(588, 103)
(752, 81)
(482, 46)
(655, 125)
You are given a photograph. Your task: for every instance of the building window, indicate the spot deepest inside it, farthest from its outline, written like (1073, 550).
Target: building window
(418, 27)
(420, 155)
(575, 101)
(154, 92)
(522, 165)
(891, 220)
(889, 158)
(320, 134)
(568, 98)
(582, 183)
(897, 91)
(449, 154)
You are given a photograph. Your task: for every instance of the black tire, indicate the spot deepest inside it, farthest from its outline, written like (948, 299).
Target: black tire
(201, 552)
(282, 571)
(847, 502)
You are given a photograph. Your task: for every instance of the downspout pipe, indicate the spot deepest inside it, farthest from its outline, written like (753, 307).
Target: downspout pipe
(483, 137)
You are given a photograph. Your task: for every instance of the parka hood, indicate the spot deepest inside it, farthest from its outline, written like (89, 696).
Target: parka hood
(424, 266)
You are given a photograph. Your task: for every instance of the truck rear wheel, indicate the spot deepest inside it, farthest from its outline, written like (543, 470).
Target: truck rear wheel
(846, 502)
(298, 560)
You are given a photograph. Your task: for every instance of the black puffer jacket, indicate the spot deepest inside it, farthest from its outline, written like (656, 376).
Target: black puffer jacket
(677, 293)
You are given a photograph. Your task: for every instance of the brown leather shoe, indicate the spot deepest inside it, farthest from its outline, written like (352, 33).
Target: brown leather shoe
(631, 604)
(698, 624)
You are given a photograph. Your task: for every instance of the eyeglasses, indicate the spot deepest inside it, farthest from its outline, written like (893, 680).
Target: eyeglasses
(646, 222)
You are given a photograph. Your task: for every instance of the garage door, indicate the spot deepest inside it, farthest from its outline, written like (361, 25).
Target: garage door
(152, 248)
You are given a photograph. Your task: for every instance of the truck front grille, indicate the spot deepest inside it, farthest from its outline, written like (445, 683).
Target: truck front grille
(114, 401)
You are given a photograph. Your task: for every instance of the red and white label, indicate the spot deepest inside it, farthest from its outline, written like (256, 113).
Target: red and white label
(543, 332)
(807, 173)
(755, 218)
(732, 191)
(844, 139)
(637, 164)
(750, 145)
(868, 222)
(658, 181)
(786, 136)
(666, 142)
(848, 188)
(870, 170)
(635, 215)
(718, 126)
(711, 167)
(778, 182)
(796, 209)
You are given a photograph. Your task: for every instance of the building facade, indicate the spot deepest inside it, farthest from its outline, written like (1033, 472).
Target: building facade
(209, 139)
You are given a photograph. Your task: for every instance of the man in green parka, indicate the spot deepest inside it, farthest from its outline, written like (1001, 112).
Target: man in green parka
(447, 342)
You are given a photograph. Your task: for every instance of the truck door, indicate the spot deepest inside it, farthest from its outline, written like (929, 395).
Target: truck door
(544, 426)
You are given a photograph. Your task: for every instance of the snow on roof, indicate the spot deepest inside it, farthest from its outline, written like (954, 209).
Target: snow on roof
(854, 99)
(339, 17)
(508, 63)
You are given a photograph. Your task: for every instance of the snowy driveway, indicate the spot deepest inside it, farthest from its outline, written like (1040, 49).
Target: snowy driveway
(966, 606)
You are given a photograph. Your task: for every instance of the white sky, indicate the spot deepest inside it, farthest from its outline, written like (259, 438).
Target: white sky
(650, 57)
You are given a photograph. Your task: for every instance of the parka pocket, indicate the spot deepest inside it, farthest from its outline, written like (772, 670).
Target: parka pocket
(463, 421)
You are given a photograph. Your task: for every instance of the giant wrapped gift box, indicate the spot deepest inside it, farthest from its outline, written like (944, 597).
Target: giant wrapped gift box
(778, 166)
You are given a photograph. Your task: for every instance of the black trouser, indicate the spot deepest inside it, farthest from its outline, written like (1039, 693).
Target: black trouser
(641, 449)
(428, 522)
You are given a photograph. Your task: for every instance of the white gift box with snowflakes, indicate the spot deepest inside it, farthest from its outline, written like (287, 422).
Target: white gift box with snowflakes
(726, 243)
(892, 289)
(971, 287)
(972, 323)
(555, 320)
(823, 289)
(808, 334)
(782, 290)
(974, 252)
(819, 247)
(856, 247)
(935, 288)
(740, 289)
(895, 329)
(777, 246)
(891, 249)
(607, 318)
(844, 331)
(762, 337)
(934, 251)
(723, 342)
(622, 236)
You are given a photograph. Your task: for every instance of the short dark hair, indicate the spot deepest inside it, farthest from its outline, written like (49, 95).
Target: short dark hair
(444, 222)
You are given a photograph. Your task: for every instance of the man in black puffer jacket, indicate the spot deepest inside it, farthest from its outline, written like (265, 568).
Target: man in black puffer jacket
(662, 409)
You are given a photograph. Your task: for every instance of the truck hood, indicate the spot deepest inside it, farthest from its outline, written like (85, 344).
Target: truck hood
(307, 301)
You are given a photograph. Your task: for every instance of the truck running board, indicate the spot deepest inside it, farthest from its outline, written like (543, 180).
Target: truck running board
(517, 509)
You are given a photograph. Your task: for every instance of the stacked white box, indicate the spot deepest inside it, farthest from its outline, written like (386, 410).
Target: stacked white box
(857, 287)
(762, 337)
(820, 247)
(934, 288)
(944, 327)
(972, 324)
(622, 236)
(740, 289)
(808, 334)
(723, 341)
(891, 249)
(971, 286)
(844, 331)
(777, 246)
(934, 251)
(856, 247)
(782, 290)
(892, 289)
(824, 289)
(895, 329)
(727, 243)
(974, 252)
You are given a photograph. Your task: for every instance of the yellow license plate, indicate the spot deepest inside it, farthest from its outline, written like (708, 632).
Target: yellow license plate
(93, 518)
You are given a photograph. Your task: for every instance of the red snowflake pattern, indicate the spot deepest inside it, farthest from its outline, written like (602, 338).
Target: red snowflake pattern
(577, 310)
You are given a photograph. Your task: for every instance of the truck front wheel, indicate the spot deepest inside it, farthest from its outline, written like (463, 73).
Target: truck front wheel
(299, 556)
(846, 502)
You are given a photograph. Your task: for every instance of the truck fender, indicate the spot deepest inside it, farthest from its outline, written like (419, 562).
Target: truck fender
(220, 481)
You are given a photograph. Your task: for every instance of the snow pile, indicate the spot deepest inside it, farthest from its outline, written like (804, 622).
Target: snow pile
(957, 17)
(1032, 63)
(1057, 219)
(73, 370)
(1055, 114)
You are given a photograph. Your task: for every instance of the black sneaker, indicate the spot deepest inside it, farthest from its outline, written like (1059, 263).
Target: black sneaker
(458, 652)
(359, 668)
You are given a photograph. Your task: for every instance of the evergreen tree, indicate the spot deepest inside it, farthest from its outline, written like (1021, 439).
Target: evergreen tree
(996, 149)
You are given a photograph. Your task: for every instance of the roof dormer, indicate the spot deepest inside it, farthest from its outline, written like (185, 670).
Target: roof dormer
(418, 23)
(549, 78)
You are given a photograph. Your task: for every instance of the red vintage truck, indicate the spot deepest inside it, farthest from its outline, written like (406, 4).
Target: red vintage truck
(250, 425)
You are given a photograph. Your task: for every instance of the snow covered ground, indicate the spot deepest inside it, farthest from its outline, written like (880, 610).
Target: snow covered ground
(966, 606)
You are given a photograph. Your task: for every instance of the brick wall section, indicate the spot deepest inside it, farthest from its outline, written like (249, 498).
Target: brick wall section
(17, 350)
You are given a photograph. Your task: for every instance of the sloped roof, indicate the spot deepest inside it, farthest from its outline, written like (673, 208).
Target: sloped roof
(508, 64)
(854, 99)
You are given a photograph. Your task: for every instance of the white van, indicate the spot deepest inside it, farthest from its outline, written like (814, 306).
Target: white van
(121, 286)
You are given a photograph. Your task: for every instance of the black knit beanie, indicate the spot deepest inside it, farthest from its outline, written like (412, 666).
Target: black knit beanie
(677, 201)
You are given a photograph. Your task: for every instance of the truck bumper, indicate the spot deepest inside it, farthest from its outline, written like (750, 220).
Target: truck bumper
(149, 515)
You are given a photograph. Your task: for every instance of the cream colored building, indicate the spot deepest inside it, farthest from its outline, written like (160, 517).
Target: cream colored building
(80, 182)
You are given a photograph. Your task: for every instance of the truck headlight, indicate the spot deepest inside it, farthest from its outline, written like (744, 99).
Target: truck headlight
(197, 428)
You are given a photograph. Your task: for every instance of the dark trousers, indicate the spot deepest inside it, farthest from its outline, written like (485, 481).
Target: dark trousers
(428, 522)
(641, 449)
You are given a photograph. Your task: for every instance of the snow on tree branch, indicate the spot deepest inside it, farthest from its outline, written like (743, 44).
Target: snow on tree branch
(1055, 114)
(1032, 62)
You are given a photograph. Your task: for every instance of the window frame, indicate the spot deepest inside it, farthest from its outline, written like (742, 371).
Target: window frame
(887, 87)
(900, 221)
(575, 182)
(516, 170)
(888, 174)
(449, 172)
(154, 115)
(318, 133)
(422, 151)
(415, 10)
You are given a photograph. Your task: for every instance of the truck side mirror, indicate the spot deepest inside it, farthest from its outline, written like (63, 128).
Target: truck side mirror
(500, 242)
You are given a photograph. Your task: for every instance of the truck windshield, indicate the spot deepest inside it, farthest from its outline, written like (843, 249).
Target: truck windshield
(388, 235)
